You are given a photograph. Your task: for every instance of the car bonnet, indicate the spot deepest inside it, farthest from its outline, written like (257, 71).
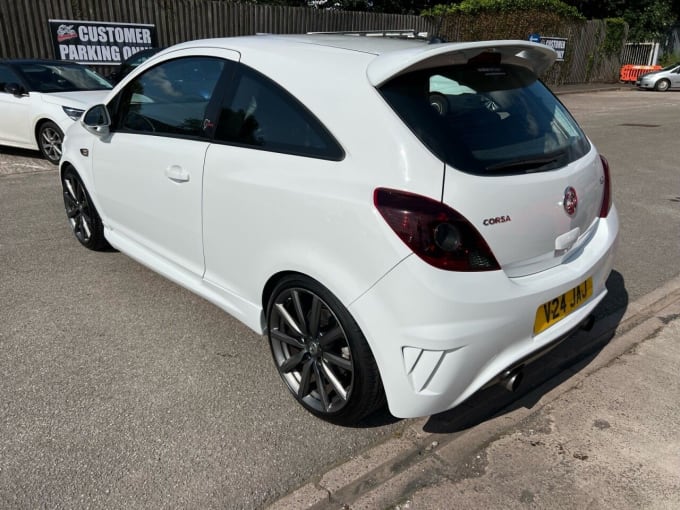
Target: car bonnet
(78, 99)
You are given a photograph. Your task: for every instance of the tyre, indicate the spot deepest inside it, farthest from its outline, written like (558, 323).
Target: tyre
(662, 85)
(81, 213)
(439, 102)
(49, 139)
(321, 354)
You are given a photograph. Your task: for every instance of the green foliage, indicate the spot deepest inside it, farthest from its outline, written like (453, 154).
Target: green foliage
(512, 22)
(615, 36)
(649, 20)
(475, 7)
(600, 9)
(668, 59)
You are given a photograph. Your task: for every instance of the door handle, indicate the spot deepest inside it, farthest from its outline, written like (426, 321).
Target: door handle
(177, 174)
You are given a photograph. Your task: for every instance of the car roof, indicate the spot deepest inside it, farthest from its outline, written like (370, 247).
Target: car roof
(293, 42)
(389, 55)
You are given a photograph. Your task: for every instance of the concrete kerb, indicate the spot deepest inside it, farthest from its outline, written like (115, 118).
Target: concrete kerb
(584, 88)
(387, 473)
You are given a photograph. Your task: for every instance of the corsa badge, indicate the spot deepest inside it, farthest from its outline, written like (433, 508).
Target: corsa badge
(570, 202)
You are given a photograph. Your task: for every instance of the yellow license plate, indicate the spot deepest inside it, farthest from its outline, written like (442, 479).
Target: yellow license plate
(557, 309)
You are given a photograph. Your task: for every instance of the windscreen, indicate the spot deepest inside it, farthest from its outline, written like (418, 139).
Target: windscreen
(61, 78)
(487, 119)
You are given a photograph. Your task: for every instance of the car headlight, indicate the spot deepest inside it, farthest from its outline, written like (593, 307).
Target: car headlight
(73, 113)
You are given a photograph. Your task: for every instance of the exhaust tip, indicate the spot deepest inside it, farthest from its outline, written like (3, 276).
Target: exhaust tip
(511, 379)
(588, 323)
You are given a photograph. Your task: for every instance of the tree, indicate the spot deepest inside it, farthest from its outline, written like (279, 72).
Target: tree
(647, 19)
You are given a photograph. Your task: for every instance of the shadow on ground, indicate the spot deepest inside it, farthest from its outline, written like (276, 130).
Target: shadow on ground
(25, 153)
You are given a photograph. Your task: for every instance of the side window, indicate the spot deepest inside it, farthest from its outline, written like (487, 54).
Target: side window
(7, 76)
(171, 98)
(262, 115)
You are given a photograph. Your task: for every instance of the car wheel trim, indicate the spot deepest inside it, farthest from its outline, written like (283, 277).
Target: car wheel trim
(662, 85)
(50, 141)
(311, 350)
(77, 209)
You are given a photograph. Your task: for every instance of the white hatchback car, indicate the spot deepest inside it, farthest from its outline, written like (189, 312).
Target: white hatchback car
(404, 220)
(40, 99)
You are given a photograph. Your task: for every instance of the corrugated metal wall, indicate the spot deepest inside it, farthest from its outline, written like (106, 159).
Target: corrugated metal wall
(24, 30)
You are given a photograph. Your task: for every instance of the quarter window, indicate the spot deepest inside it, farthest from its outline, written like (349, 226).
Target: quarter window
(260, 114)
(171, 98)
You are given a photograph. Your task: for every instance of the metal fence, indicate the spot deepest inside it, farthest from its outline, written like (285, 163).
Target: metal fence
(24, 29)
(643, 54)
(588, 62)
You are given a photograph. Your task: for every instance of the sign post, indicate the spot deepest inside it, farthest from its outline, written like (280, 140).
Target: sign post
(559, 44)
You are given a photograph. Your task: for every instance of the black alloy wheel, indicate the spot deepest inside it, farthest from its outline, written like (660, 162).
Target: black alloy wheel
(321, 354)
(81, 213)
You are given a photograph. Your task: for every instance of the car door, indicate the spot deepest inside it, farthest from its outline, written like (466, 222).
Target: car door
(269, 157)
(148, 172)
(675, 78)
(15, 124)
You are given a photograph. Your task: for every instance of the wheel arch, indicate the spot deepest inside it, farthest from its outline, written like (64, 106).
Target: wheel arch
(37, 125)
(271, 284)
(86, 177)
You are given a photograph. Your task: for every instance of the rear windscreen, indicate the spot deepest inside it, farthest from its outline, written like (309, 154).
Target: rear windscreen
(487, 120)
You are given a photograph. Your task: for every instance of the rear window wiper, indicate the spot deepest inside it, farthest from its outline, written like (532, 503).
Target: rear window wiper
(526, 165)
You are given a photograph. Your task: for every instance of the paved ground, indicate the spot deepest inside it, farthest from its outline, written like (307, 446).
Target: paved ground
(122, 390)
(603, 434)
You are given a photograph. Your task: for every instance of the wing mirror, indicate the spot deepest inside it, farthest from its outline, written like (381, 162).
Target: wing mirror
(15, 89)
(97, 120)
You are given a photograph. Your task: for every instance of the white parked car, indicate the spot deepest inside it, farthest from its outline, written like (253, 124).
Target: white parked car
(403, 220)
(40, 99)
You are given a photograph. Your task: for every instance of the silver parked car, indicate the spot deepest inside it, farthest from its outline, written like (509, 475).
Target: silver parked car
(661, 80)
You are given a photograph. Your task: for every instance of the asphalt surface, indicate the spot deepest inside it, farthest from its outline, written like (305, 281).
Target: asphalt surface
(609, 440)
(594, 425)
(121, 389)
(601, 434)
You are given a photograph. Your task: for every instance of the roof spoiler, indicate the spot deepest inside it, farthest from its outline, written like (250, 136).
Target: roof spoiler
(534, 56)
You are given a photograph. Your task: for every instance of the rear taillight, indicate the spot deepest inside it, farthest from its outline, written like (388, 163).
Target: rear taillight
(435, 232)
(607, 194)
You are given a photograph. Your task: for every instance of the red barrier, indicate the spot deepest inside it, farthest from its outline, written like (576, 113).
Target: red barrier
(630, 73)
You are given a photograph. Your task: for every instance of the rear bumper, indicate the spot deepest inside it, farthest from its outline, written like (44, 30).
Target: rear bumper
(439, 336)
